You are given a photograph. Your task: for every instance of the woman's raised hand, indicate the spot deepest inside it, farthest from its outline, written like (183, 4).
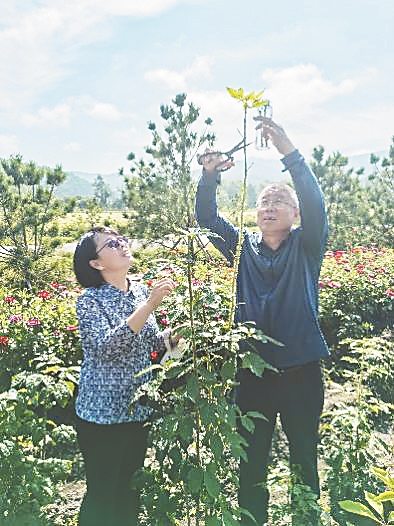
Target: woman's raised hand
(162, 288)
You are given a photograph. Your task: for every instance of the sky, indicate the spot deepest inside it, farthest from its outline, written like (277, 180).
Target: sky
(80, 79)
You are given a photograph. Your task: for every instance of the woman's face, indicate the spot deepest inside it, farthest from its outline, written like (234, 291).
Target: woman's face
(113, 252)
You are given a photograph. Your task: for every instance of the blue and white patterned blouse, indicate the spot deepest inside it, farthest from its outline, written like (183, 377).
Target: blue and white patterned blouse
(113, 353)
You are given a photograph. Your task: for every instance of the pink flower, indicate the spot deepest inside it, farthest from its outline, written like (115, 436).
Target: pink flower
(165, 322)
(334, 284)
(56, 333)
(44, 294)
(15, 318)
(163, 312)
(54, 284)
(32, 322)
(389, 293)
(10, 299)
(71, 328)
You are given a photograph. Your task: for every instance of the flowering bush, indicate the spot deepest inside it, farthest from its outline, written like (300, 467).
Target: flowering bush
(39, 358)
(356, 293)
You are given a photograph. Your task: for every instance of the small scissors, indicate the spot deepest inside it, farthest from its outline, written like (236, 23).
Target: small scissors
(229, 155)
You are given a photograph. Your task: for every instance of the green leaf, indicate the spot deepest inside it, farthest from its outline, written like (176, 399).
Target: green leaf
(358, 509)
(229, 520)
(193, 388)
(377, 506)
(213, 521)
(254, 362)
(211, 484)
(194, 479)
(216, 445)
(385, 496)
(247, 423)
(228, 370)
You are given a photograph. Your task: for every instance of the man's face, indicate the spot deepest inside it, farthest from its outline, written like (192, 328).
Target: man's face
(276, 212)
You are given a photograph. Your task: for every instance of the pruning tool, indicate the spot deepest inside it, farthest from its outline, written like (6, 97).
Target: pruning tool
(229, 155)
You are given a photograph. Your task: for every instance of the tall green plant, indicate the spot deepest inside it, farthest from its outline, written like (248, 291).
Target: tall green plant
(249, 101)
(27, 206)
(159, 193)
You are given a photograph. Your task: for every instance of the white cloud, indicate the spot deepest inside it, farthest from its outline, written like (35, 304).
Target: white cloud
(58, 116)
(8, 145)
(174, 80)
(135, 8)
(72, 147)
(301, 89)
(103, 111)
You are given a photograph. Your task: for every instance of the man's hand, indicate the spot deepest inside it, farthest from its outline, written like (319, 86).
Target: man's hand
(214, 162)
(276, 134)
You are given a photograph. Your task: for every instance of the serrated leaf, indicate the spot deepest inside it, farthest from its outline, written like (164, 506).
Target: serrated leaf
(211, 484)
(358, 509)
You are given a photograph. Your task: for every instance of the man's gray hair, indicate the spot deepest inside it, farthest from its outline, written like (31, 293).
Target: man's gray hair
(279, 187)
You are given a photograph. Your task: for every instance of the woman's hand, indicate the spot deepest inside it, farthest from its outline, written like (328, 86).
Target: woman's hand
(160, 290)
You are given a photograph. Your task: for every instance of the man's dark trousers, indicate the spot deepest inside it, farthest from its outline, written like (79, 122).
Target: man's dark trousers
(297, 395)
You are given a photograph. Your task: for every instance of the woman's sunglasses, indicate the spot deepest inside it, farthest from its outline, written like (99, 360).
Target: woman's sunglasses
(114, 243)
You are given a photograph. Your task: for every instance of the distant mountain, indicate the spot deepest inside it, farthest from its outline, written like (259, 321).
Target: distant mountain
(81, 184)
(261, 171)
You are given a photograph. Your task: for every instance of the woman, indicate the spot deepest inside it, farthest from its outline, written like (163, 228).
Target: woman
(118, 333)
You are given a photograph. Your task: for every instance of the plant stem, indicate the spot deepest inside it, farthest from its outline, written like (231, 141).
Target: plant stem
(241, 233)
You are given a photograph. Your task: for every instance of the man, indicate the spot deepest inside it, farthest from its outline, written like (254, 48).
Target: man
(277, 288)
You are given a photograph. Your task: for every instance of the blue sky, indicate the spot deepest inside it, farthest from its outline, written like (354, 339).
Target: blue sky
(80, 79)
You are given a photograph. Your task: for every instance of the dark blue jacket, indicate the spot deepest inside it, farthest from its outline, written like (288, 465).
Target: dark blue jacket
(277, 289)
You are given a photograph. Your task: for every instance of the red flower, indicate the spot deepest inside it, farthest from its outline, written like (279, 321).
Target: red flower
(339, 253)
(71, 328)
(4, 341)
(32, 322)
(10, 299)
(321, 284)
(44, 294)
(165, 322)
(389, 293)
(149, 282)
(154, 355)
(54, 284)
(56, 333)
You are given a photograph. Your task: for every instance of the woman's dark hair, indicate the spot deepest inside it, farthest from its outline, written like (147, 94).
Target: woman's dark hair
(86, 275)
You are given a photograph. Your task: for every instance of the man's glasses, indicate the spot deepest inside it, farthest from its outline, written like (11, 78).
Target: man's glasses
(276, 203)
(114, 243)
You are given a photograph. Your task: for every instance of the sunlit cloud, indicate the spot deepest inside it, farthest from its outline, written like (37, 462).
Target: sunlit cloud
(58, 116)
(104, 111)
(180, 80)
